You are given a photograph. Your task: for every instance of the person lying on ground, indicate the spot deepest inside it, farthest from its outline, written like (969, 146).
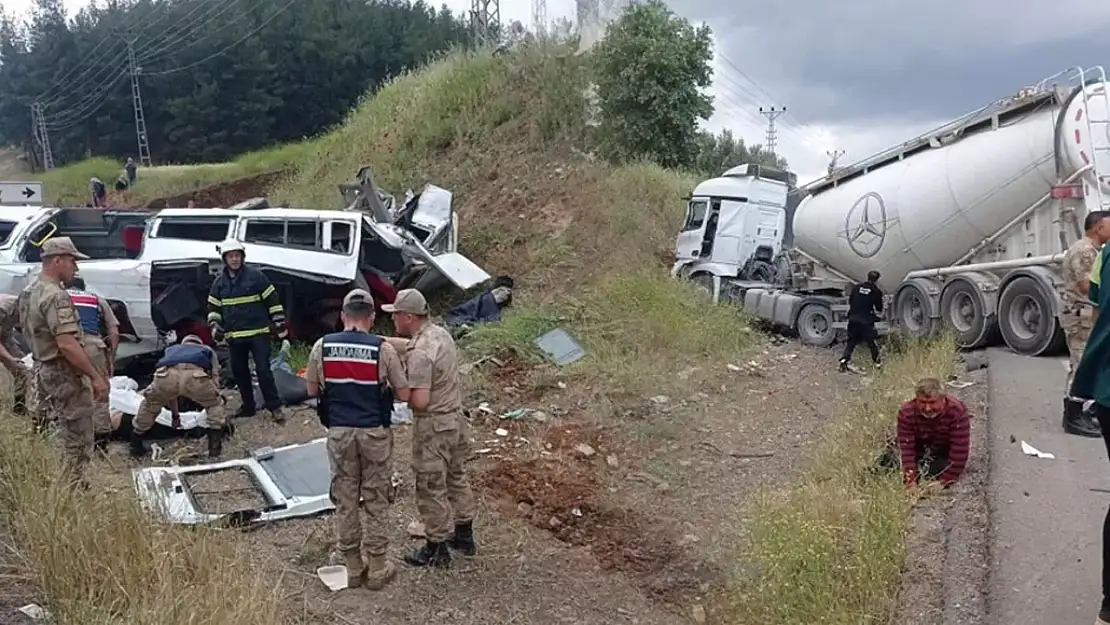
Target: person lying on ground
(934, 435)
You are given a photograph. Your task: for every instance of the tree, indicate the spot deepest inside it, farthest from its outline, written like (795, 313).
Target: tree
(217, 79)
(652, 67)
(718, 153)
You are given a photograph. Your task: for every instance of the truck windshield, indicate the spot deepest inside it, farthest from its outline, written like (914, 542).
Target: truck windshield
(695, 215)
(6, 229)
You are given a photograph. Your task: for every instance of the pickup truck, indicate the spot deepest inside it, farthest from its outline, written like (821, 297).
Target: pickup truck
(156, 268)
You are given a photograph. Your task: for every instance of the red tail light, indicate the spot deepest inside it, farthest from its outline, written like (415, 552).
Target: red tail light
(1067, 192)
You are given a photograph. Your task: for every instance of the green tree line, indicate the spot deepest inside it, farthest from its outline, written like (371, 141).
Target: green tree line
(217, 77)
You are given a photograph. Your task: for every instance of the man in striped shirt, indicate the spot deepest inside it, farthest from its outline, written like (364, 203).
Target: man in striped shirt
(934, 435)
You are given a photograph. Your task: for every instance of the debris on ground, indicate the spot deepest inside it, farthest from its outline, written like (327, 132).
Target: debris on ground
(334, 577)
(560, 347)
(1030, 450)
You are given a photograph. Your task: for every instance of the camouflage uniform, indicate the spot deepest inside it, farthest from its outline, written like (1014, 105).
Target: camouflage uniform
(1077, 314)
(9, 319)
(97, 351)
(440, 436)
(64, 392)
(360, 460)
(184, 380)
(34, 403)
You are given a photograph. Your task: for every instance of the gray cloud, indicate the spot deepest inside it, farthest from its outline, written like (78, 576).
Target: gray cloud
(892, 60)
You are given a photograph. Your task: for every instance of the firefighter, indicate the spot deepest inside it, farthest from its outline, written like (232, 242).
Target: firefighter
(244, 310)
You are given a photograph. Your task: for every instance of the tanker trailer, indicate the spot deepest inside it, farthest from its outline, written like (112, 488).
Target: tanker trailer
(967, 223)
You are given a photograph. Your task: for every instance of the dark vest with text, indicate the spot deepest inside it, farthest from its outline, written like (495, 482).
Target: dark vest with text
(353, 396)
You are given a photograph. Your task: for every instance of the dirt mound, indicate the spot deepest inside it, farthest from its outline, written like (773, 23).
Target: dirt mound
(563, 497)
(221, 195)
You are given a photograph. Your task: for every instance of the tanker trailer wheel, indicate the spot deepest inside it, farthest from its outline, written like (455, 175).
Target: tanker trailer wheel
(911, 312)
(961, 308)
(815, 325)
(1026, 320)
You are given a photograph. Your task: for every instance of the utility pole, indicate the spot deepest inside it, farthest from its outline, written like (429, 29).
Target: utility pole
(833, 156)
(539, 17)
(485, 18)
(41, 137)
(137, 102)
(772, 134)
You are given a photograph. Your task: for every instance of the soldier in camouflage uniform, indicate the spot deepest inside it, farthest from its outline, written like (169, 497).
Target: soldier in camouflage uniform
(440, 433)
(1077, 315)
(11, 354)
(69, 383)
(348, 372)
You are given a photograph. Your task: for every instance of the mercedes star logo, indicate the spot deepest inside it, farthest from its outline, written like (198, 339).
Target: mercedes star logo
(866, 224)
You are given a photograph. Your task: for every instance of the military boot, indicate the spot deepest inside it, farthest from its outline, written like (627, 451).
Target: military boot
(379, 572)
(356, 570)
(215, 442)
(138, 449)
(463, 540)
(431, 554)
(1078, 421)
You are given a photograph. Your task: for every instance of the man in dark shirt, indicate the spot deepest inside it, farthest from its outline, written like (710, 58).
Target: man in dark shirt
(865, 304)
(934, 435)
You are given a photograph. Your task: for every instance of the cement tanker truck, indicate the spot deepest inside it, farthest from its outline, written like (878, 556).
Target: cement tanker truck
(967, 224)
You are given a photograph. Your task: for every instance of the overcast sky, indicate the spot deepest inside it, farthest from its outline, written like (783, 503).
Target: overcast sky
(865, 75)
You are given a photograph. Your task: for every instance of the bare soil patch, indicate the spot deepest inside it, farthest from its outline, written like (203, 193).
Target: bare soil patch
(221, 195)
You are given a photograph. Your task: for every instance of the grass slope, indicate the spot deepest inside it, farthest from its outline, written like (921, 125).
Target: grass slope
(586, 242)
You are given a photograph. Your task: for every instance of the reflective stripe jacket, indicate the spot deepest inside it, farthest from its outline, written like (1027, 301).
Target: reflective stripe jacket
(353, 395)
(245, 304)
(88, 310)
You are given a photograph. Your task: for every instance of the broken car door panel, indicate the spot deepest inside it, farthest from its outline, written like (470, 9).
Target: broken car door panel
(189, 370)
(243, 307)
(354, 374)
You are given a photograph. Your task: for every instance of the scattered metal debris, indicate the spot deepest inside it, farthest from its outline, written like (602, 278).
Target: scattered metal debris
(560, 347)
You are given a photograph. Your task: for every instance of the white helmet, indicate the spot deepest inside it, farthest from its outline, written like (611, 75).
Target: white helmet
(230, 245)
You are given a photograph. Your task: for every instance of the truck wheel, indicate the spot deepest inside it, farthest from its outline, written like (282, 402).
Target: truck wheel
(1025, 318)
(961, 308)
(704, 282)
(911, 312)
(815, 325)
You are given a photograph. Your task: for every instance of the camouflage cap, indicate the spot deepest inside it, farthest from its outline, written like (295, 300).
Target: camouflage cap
(358, 296)
(61, 246)
(408, 301)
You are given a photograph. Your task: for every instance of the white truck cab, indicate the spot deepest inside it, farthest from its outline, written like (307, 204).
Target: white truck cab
(734, 226)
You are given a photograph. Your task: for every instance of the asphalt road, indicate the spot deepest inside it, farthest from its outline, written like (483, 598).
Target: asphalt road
(1046, 522)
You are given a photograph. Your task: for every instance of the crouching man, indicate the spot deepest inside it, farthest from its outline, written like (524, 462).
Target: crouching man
(934, 435)
(348, 372)
(189, 370)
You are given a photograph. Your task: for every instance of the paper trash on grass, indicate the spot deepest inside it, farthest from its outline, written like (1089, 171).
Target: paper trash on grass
(35, 611)
(1030, 450)
(334, 577)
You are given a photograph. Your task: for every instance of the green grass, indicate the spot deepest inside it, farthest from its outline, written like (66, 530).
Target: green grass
(831, 548)
(101, 559)
(70, 184)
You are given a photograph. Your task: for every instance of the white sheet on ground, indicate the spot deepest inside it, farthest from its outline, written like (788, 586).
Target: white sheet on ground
(125, 397)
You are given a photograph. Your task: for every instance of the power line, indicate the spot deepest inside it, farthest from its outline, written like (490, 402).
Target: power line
(155, 47)
(250, 34)
(772, 135)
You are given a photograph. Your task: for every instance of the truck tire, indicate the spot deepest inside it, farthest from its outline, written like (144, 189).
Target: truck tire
(815, 325)
(961, 308)
(911, 312)
(1026, 319)
(704, 281)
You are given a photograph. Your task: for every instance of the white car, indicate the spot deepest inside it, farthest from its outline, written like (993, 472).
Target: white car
(156, 268)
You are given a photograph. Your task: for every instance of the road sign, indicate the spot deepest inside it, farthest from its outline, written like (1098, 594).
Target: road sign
(20, 193)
